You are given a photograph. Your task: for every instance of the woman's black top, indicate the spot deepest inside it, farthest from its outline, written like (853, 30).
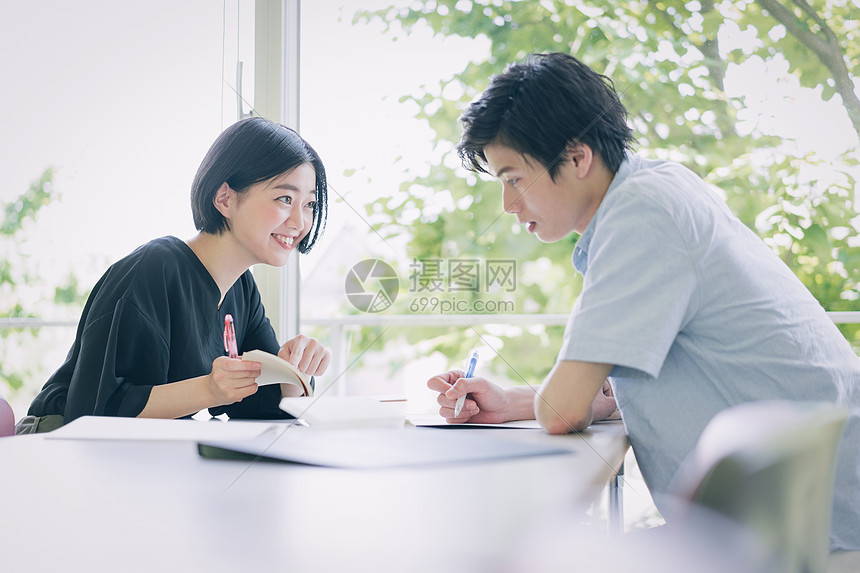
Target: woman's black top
(153, 318)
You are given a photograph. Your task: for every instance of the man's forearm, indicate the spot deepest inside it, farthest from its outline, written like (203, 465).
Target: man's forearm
(565, 400)
(521, 401)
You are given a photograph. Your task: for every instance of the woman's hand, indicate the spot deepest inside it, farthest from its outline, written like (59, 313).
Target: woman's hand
(307, 354)
(232, 380)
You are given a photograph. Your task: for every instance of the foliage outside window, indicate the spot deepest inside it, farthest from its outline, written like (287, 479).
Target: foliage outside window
(24, 293)
(670, 62)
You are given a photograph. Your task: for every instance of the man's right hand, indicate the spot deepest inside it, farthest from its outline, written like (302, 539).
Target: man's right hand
(485, 403)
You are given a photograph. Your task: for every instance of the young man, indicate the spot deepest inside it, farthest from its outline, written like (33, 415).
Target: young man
(683, 308)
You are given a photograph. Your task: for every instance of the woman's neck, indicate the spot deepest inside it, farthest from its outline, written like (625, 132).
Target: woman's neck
(214, 252)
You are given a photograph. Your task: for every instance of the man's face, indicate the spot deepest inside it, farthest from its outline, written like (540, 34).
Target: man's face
(549, 209)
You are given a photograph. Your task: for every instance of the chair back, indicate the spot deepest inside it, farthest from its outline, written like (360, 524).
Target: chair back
(770, 466)
(7, 419)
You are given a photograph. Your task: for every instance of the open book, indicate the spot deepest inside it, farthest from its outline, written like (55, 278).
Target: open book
(276, 370)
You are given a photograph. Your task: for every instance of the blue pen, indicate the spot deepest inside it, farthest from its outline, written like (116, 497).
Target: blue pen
(470, 371)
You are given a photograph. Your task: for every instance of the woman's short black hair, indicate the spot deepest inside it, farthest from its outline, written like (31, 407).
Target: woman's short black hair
(542, 106)
(250, 151)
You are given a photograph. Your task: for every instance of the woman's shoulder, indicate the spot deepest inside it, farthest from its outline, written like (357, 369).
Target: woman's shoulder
(162, 257)
(159, 250)
(159, 264)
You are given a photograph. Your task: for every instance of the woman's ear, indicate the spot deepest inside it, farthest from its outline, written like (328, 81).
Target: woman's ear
(224, 198)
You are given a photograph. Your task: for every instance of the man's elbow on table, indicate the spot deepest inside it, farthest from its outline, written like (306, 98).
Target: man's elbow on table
(564, 401)
(561, 418)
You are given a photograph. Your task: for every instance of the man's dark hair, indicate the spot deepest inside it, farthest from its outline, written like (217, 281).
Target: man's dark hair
(250, 151)
(542, 106)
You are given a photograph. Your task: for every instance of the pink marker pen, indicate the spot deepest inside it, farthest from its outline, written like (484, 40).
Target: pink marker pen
(230, 337)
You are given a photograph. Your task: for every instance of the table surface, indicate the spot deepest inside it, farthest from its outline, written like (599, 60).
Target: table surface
(112, 505)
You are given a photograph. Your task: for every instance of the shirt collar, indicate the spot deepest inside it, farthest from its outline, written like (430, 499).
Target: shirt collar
(580, 251)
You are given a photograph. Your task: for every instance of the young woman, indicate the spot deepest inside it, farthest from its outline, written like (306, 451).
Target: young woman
(150, 340)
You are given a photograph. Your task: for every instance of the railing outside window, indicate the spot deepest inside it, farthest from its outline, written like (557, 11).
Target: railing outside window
(340, 328)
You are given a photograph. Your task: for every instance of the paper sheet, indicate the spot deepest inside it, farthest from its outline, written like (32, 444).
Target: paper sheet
(378, 448)
(343, 412)
(113, 428)
(437, 421)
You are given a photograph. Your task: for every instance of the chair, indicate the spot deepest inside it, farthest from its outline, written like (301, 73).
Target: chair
(844, 562)
(7, 419)
(770, 466)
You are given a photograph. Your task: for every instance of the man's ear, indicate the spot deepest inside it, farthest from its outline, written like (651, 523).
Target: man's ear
(223, 199)
(581, 156)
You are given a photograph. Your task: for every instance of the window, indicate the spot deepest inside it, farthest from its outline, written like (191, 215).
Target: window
(121, 100)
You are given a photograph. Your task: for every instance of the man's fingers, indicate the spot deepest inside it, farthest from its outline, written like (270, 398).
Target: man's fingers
(446, 378)
(438, 384)
(470, 409)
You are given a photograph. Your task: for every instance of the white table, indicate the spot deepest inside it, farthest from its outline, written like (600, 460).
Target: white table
(158, 506)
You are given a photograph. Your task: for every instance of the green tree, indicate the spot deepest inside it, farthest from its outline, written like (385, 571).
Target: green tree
(23, 291)
(669, 67)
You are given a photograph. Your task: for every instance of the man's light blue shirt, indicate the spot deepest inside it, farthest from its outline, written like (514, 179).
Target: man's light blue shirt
(697, 314)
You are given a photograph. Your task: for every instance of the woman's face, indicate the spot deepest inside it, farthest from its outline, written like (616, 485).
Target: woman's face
(272, 217)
